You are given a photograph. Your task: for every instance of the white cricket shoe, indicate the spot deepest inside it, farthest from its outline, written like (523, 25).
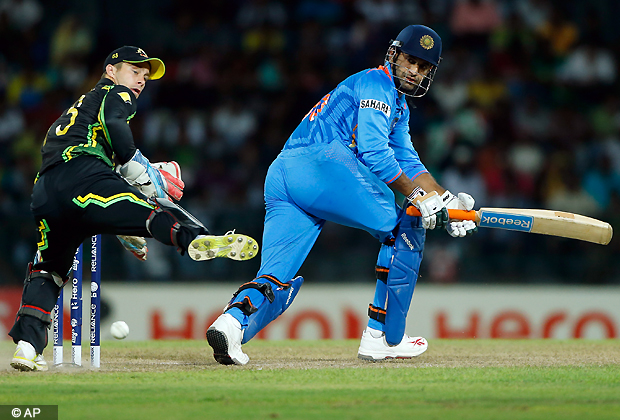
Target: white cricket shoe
(374, 347)
(225, 335)
(27, 359)
(232, 245)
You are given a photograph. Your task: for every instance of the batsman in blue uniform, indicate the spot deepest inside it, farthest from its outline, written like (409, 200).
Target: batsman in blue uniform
(343, 163)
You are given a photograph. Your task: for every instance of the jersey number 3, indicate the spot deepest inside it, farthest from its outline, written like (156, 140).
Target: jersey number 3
(73, 112)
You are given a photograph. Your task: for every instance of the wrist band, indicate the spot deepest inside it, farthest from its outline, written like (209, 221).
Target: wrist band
(416, 191)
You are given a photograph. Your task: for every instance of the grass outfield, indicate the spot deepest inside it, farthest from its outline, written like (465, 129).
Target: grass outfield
(454, 379)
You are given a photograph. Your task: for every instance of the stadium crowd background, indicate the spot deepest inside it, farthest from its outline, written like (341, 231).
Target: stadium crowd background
(525, 112)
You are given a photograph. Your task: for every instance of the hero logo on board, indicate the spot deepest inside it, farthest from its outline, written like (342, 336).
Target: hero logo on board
(378, 105)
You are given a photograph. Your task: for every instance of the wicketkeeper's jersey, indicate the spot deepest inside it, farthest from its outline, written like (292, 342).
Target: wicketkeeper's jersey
(366, 113)
(95, 125)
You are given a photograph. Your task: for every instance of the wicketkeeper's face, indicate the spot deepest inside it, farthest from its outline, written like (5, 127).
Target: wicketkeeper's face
(133, 76)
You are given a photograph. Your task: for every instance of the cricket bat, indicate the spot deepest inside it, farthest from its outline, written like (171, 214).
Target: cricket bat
(544, 222)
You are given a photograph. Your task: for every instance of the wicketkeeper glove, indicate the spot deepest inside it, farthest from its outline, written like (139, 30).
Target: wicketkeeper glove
(171, 172)
(459, 228)
(162, 179)
(134, 244)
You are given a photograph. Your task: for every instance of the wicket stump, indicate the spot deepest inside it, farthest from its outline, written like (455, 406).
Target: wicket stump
(76, 310)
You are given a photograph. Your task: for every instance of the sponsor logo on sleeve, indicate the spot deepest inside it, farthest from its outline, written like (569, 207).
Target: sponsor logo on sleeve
(378, 105)
(125, 97)
(506, 221)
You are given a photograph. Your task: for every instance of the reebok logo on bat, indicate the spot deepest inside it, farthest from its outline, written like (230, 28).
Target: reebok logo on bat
(507, 221)
(378, 105)
(407, 241)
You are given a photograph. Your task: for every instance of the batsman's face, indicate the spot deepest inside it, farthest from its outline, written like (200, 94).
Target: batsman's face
(132, 76)
(411, 70)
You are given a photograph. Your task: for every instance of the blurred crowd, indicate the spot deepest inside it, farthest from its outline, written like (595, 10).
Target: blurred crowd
(524, 112)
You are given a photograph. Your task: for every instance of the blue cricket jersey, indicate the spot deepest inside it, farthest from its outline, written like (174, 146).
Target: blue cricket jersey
(336, 166)
(366, 113)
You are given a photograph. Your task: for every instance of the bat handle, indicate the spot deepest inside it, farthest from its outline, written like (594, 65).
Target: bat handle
(454, 214)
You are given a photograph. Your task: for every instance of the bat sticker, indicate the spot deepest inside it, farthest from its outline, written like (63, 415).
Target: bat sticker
(506, 221)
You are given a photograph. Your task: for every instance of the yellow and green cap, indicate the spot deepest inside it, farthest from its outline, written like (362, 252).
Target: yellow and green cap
(129, 54)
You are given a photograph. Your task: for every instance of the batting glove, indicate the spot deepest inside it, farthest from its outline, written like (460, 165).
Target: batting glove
(459, 228)
(431, 206)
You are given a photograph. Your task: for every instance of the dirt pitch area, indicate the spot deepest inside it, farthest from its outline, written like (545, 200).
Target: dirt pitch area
(162, 356)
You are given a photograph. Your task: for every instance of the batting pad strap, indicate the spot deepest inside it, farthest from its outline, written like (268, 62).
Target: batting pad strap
(376, 313)
(274, 281)
(244, 305)
(382, 273)
(268, 311)
(264, 288)
(42, 273)
(35, 312)
(389, 242)
(46, 275)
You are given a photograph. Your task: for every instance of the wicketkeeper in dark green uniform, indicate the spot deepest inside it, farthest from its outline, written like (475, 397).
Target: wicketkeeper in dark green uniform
(78, 194)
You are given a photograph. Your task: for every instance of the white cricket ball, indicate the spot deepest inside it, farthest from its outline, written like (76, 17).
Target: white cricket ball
(119, 330)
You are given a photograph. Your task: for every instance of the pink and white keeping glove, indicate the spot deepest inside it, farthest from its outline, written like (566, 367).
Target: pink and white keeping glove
(162, 179)
(171, 172)
(134, 244)
(459, 228)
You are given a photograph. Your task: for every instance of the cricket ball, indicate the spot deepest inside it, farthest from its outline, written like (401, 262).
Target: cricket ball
(119, 330)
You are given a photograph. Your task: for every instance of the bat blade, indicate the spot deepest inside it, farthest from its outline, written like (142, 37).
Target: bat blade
(544, 222)
(548, 222)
